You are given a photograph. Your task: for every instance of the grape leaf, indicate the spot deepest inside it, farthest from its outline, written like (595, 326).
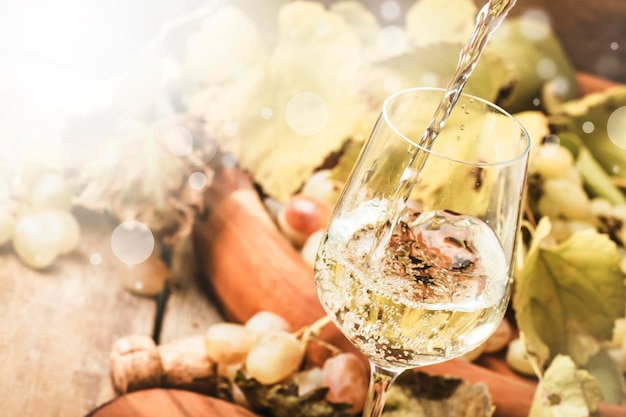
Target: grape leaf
(568, 296)
(433, 21)
(566, 391)
(312, 91)
(535, 60)
(609, 376)
(433, 65)
(589, 117)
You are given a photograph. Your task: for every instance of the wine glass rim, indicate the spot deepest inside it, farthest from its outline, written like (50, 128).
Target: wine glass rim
(520, 156)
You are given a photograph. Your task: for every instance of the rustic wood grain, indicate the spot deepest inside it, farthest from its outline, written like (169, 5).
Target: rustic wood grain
(188, 310)
(169, 403)
(58, 327)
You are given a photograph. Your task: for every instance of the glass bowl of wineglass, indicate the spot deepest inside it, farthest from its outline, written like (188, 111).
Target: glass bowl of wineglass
(416, 263)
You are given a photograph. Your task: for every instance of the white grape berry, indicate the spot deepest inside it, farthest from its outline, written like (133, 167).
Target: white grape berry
(51, 191)
(517, 358)
(553, 161)
(65, 227)
(561, 197)
(347, 379)
(35, 241)
(7, 225)
(321, 187)
(265, 322)
(275, 357)
(228, 343)
(310, 247)
(601, 207)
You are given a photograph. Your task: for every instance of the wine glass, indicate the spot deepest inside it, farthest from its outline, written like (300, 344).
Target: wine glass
(416, 263)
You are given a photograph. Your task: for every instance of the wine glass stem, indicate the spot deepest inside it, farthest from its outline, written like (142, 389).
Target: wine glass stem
(380, 382)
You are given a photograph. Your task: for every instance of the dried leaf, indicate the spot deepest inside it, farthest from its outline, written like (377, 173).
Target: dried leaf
(417, 394)
(282, 400)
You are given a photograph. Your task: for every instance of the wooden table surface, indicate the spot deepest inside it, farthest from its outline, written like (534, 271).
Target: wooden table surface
(58, 325)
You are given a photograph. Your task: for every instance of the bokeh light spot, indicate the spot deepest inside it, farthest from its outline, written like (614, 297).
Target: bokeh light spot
(392, 84)
(178, 140)
(430, 79)
(560, 86)
(266, 113)
(535, 25)
(95, 259)
(322, 28)
(392, 40)
(608, 66)
(132, 242)
(536, 102)
(546, 68)
(616, 127)
(614, 46)
(306, 113)
(390, 10)
(198, 180)
(588, 127)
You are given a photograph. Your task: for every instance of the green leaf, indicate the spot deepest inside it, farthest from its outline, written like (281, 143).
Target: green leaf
(433, 65)
(312, 88)
(566, 391)
(597, 181)
(568, 296)
(524, 54)
(433, 21)
(589, 118)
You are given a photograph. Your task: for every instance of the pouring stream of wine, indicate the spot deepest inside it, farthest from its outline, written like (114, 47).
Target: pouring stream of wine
(488, 20)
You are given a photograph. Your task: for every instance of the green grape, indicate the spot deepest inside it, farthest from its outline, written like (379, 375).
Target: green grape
(553, 161)
(229, 343)
(64, 226)
(564, 198)
(275, 357)
(7, 224)
(35, 241)
(51, 191)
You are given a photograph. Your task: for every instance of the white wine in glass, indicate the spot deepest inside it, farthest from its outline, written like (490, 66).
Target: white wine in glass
(416, 263)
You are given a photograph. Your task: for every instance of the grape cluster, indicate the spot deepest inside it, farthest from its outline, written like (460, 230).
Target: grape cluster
(265, 349)
(40, 224)
(558, 192)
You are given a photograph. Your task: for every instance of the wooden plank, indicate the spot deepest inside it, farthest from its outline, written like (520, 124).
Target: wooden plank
(58, 327)
(189, 310)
